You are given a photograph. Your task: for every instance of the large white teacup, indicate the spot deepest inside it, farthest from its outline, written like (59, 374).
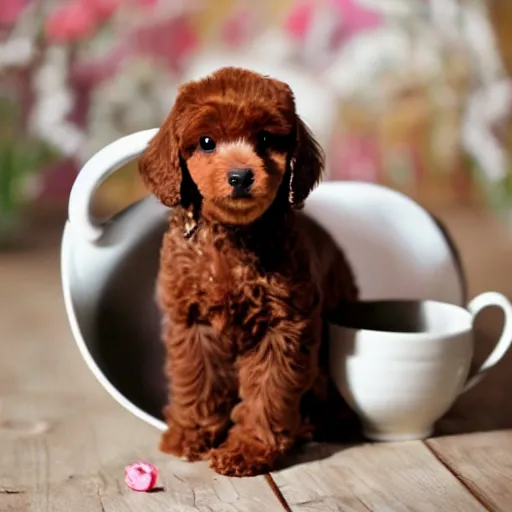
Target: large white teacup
(109, 267)
(402, 364)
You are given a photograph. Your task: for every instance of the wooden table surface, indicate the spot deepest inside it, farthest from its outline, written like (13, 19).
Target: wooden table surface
(64, 442)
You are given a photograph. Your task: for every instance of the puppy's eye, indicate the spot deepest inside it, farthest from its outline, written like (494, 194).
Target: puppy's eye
(207, 144)
(264, 139)
(267, 140)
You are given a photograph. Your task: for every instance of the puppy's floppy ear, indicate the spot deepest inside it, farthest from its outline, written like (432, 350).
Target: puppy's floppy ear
(307, 164)
(159, 165)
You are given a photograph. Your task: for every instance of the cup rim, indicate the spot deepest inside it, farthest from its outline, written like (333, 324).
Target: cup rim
(462, 325)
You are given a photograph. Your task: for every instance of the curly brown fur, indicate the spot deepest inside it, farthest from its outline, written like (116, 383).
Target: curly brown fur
(245, 283)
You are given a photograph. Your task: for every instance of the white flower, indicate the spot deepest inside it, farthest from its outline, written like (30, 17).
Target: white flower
(19, 48)
(54, 101)
(486, 108)
(273, 46)
(395, 8)
(16, 52)
(365, 57)
(54, 70)
(445, 16)
(480, 39)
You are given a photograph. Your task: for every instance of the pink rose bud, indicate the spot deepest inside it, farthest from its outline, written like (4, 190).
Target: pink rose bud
(71, 22)
(141, 476)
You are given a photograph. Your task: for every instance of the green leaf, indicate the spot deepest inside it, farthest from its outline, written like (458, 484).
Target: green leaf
(498, 193)
(18, 159)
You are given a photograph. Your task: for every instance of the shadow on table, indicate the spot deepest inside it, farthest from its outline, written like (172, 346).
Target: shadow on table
(341, 431)
(312, 452)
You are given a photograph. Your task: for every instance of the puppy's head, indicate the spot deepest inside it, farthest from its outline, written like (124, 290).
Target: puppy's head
(237, 136)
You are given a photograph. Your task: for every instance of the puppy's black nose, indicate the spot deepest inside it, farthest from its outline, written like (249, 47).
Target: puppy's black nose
(241, 180)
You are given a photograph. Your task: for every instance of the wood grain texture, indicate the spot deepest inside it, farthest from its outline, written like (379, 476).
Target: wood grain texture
(373, 477)
(483, 462)
(64, 442)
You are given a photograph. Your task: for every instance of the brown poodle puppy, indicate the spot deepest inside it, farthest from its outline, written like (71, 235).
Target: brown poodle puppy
(244, 281)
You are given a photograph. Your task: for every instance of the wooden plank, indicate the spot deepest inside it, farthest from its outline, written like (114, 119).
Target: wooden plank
(372, 477)
(75, 459)
(79, 465)
(483, 462)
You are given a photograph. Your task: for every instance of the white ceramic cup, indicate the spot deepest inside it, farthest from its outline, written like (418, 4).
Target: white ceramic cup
(402, 364)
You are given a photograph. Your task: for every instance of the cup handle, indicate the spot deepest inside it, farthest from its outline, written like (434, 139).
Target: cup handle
(479, 303)
(96, 170)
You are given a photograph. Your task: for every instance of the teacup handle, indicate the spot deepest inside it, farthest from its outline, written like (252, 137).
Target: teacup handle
(479, 303)
(96, 170)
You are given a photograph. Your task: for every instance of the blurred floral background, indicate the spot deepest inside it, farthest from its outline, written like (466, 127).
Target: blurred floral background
(413, 94)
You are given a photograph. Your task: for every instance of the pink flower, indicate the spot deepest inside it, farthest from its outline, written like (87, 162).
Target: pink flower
(237, 28)
(141, 476)
(146, 3)
(355, 157)
(352, 16)
(71, 22)
(102, 9)
(10, 10)
(169, 41)
(299, 19)
(355, 17)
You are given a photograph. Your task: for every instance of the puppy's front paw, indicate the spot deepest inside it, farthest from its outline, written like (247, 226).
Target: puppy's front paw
(242, 455)
(189, 444)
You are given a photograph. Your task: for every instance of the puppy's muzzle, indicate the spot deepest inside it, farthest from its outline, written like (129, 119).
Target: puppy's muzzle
(241, 181)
